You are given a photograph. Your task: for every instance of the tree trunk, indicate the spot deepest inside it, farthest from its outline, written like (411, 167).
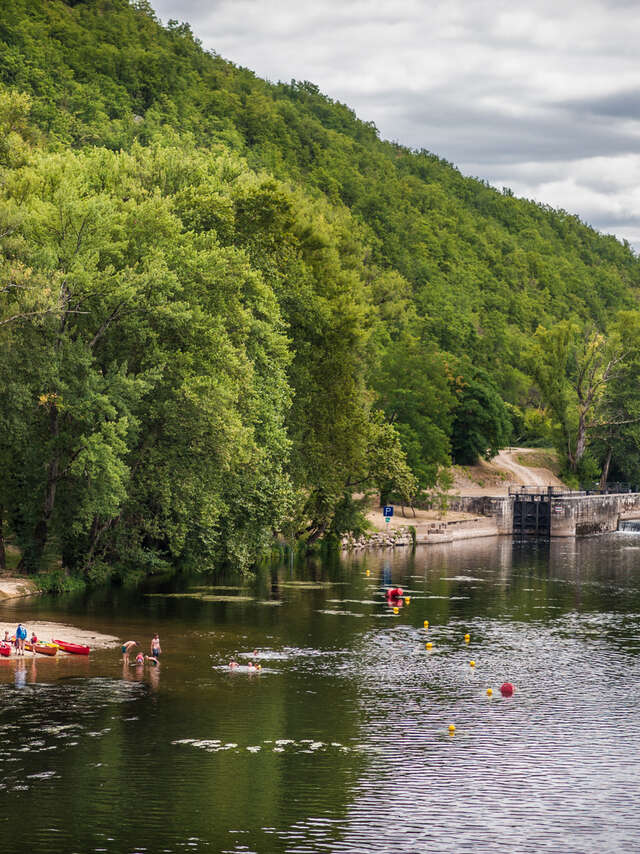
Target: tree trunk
(97, 530)
(316, 532)
(581, 442)
(605, 470)
(3, 556)
(41, 531)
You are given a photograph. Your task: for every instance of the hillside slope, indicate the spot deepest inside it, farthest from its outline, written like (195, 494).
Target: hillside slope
(247, 306)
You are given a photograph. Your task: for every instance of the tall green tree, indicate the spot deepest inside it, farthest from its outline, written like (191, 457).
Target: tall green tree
(575, 368)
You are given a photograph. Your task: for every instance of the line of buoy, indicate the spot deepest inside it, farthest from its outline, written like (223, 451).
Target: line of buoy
(506, 689)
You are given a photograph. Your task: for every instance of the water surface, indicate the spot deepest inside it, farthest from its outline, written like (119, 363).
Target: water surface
(340, 742)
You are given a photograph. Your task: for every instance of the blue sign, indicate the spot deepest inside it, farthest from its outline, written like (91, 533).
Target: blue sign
(387, 511)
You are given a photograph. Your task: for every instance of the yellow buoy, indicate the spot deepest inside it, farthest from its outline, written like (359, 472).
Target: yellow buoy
(467, 638)
(368, 572)
(426, 624)
(407, 599)
(395, 610)
(429, 645)
(489, 692)
(472, 664)
(452, 728)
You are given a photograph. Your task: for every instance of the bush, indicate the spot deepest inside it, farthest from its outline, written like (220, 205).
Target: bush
(58, 581)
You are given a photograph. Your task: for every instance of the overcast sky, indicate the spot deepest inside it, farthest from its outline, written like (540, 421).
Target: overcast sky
(541, 96)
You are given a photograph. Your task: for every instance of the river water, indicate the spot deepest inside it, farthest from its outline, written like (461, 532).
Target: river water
(340, 742)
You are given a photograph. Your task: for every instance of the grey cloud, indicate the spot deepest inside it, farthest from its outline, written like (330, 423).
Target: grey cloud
(520, 93)
(468, 132)
(623, 105)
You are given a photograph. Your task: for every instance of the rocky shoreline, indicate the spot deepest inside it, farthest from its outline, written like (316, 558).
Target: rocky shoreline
(437, 531)
(16, 588)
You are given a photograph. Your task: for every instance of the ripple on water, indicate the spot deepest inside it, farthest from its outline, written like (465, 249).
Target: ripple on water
(551, 769)
(61, 713)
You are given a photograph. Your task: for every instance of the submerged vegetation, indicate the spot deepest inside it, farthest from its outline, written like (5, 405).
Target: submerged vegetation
(227, 307)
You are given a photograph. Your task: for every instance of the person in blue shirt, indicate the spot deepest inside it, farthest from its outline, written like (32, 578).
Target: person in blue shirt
(21, 636)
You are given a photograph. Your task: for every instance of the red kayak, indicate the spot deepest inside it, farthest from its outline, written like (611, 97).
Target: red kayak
(42, 648)
(75, 648)
(5, 649)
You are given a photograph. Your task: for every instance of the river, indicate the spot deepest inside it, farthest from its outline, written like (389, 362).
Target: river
(341, 741)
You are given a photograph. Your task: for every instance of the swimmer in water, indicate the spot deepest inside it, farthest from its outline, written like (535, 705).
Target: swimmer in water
(152, 659)
(233, 663)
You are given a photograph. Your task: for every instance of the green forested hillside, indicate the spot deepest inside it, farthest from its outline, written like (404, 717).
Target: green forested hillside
(227, 305)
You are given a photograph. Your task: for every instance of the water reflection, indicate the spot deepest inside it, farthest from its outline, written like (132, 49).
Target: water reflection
(341, 741)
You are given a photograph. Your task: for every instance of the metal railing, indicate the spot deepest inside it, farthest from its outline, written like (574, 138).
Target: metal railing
(562, 492)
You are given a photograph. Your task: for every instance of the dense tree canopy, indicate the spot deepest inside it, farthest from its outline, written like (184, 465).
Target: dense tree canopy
(227, 305)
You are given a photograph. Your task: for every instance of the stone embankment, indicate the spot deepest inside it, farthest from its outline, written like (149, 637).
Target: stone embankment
(437, 531)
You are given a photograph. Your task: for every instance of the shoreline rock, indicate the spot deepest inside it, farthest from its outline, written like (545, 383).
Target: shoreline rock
(439, 531)
(16, 588)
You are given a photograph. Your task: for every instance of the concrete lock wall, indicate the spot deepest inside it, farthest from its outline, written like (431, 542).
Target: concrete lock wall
(501, 509)
(571, 516)
(584, 515)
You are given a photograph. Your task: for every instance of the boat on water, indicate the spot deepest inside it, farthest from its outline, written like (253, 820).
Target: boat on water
(74, 648)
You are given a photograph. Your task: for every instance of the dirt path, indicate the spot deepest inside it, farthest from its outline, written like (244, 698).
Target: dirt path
(495, 477)
(523, 474)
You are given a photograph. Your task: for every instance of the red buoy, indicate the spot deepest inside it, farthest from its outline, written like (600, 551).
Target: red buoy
(394, 593)
(506, 689)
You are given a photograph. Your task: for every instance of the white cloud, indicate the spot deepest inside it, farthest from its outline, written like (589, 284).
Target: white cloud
(541, 96)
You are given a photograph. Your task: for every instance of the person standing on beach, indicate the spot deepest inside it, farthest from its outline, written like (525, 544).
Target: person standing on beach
(155, 646)
(21, 636)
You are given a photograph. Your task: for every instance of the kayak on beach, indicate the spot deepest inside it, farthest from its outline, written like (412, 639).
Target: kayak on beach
(75, 648)
(5, 649)
(42, 648)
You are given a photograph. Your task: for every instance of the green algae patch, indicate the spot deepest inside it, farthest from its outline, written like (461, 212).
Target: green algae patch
(217, 587)
(203, 597)
(306, 585)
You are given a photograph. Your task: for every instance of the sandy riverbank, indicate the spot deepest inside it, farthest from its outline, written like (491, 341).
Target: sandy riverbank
(12, 587)
(46, 631)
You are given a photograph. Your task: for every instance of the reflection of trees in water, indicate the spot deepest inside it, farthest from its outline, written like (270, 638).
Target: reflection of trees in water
(523, 577)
